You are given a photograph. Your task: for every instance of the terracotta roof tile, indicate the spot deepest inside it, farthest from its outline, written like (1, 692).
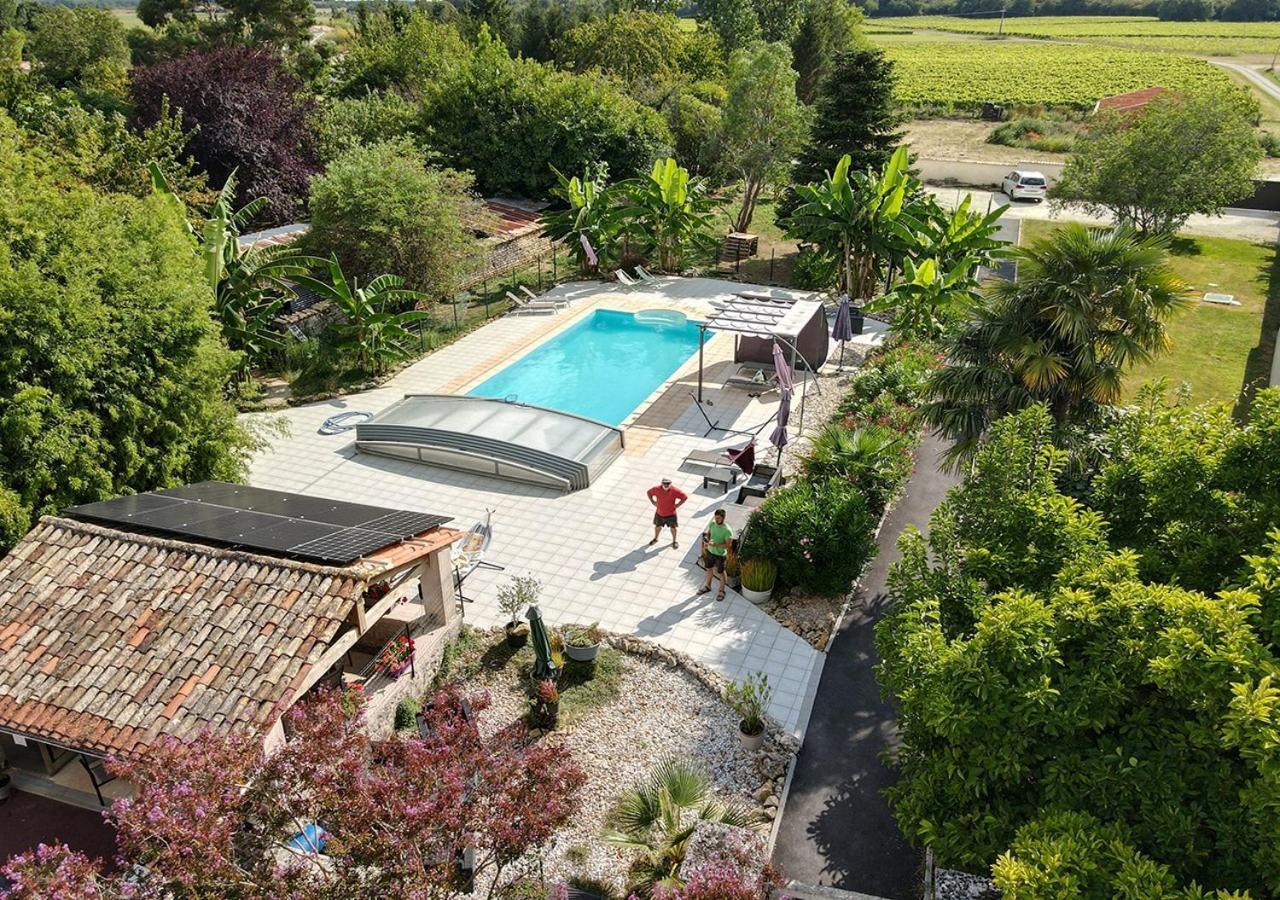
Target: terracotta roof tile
(108, 639)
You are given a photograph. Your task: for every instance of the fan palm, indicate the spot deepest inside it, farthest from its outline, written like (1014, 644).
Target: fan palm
(658, 816)
(669, 215)
(1089, 304)
(871, 457)
(375, 317)
(869, 220)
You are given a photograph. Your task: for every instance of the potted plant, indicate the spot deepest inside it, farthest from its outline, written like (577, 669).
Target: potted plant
(582, 642)
(758, 577)
(396, 657)
(733, 571)
(749, 699)
(546, 704)
(514, 598)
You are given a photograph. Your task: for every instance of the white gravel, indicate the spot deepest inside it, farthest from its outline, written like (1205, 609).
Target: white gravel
(661, 710)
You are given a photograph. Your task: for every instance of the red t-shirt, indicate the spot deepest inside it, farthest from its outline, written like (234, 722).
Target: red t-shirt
(667, 499)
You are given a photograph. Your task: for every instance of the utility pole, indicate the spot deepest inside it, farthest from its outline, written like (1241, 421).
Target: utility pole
(1273, 59)
(1000, 33)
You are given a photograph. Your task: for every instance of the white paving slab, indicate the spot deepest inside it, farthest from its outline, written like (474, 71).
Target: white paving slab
(588, 548)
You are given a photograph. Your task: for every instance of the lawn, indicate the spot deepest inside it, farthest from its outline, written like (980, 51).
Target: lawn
(128, 17)
(1223, 352)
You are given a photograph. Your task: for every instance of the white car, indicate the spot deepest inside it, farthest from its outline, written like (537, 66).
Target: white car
(1024, 185)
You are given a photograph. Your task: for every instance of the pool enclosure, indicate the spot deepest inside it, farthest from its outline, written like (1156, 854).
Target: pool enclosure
(503, 439)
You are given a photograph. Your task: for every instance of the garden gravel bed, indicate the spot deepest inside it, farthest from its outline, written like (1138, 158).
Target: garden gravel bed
(662, 708)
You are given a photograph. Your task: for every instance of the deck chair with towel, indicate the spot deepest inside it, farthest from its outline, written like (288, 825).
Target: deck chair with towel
(757, 379)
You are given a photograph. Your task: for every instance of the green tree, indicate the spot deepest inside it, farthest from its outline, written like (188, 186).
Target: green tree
(669, 216)
(695, 126)
(827, 29)
(375, 322)
(82, 48)
(348, 122)
(588, 218)
(1190, 489)
(637, 47)
(1088, 305)
(1074, 686)
(416, 57)
(779, 19)
(278, 23)
(379, 209)
(734, 21)
(764, 123)
(111, 371)
(854, 114)
(1177, 156)
(872, 222)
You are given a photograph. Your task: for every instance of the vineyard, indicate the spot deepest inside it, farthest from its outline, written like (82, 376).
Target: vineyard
(1201, 38)
(964, 75)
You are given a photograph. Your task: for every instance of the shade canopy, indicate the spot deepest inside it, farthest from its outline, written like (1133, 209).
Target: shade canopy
(758, 322)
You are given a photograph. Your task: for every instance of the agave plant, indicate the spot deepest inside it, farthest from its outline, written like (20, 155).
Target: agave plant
(669, 215)
(375, 318)
(588, 219)
(658, 816)
(248, 285)
(871, 221)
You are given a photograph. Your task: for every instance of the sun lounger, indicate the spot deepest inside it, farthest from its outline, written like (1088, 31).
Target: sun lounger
(753, 378)
(708, 458)
(644, 274)
(625, 279)
(524, 304)
(560, 302)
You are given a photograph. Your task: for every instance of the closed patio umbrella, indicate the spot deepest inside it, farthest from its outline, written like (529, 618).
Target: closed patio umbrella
(842, 327)
(543, 666)
(779, 436)
(783, 369)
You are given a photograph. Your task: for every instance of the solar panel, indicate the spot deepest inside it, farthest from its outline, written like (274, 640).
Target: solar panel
(236, 515)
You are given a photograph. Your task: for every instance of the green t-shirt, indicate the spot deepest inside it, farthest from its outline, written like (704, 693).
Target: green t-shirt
(719, 534)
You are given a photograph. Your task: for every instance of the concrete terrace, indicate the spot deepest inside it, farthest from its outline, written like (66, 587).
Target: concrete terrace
(587, 548)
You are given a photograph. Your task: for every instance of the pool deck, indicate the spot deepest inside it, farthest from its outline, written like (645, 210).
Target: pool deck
(588, 548)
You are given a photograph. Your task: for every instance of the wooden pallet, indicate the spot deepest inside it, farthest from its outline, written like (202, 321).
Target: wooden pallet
(739, 246)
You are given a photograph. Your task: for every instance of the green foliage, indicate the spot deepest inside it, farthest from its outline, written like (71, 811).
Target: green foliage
(818, 533)
(82, 48)
(669, 216)
(750, 700)
(875, 459)
(518, 594)
(343, 124)
(899, 372)
(695, 125)
(816, 269)
(406, 714)
(276, 23)
(1036, 673)
(418, 56)
(15, 518)
(588, 214)
(734, 21)
(513, 121)
(657, 817)
(764, 124)
(1088, 305)
(111, 372)
(1177, 156)
(1189, 489)
(827, 29)
(636, 47)
(757, 574)
(378, 209)
(1045, 135)
(375, 318)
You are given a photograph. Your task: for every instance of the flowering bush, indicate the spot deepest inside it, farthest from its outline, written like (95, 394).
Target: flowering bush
(721, 881)
(52, 873)
(395, 654)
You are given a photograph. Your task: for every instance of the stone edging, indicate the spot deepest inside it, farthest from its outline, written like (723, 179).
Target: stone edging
(772, 760)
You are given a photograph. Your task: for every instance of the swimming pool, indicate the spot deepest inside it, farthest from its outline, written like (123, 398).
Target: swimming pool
(602, 368)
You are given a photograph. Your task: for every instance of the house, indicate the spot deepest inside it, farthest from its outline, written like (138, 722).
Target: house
(213, 604)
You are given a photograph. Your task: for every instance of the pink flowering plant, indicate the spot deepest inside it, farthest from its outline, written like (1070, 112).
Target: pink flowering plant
(214, 816)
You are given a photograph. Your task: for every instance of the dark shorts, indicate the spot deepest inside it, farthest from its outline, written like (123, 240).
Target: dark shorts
(713, 562)
(660, 521)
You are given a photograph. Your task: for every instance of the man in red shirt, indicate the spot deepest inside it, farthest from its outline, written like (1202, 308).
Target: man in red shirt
(666, 499)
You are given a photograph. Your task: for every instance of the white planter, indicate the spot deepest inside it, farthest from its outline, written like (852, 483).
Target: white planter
(757, 597)
(750, 742)
(581, 654)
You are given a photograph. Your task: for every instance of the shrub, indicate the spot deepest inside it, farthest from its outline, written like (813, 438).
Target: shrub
(759, 574)
(1046, 135)
(901, 372)
(407, 714)
(820, 535)
(750, 700)
(815, 270)
(874, 458)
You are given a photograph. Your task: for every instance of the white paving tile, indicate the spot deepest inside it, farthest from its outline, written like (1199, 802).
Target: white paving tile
(588, 548)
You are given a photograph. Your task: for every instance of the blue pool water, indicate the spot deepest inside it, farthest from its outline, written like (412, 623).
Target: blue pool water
(602, 368)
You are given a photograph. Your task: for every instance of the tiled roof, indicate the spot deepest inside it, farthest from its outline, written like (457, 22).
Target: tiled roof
(109, 639)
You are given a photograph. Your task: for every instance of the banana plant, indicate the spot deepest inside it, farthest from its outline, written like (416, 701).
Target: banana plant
(964, 233)
(872, 222)
(248, 284)
(927, 299)
(588, 223)
(669, 215)
(375, 318)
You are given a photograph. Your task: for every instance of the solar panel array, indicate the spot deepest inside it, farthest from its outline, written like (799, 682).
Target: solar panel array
(234, 515)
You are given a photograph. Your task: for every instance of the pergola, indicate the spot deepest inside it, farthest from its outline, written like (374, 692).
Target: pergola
(800, 326)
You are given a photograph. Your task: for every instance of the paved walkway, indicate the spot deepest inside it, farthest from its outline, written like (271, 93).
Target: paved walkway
(837, 828)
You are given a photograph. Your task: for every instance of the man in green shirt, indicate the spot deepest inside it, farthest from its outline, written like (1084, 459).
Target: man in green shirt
(717, 541)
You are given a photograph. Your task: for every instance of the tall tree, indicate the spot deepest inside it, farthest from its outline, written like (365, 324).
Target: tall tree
(764, 123)
(854, 114)
(735, 21)
(827, 29)
(244, 113)
(779, 19)
(1179, 155)
(276, 23)
(1087, 306)
(82, 48)
(635, 46)
(111, 370)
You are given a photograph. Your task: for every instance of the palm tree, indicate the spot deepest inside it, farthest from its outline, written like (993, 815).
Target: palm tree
(1089, 304)
(870, 221)
(589, 216)
(658, 817)
(668, 215)
(248, 284)
(870, 457)
(375, 317)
